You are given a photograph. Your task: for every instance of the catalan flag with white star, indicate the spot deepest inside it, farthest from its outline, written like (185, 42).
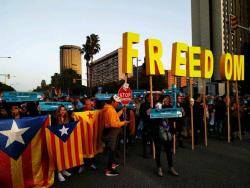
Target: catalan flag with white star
(24, 159)
(90, 124)
(65, 145)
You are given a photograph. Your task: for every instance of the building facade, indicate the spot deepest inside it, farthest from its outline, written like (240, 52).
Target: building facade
(107, 69)
(70, 58)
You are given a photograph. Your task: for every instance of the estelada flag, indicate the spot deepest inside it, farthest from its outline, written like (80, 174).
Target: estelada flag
(90, 123)
(65, 145)
(24, 159)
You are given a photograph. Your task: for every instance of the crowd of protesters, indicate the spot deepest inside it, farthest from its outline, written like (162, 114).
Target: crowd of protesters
(158, 132)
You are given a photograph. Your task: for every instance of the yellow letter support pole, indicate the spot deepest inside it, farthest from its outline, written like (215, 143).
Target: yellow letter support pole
(174, 137)
(226, 70)
(128, 39)
(207, 65)
(205, 109)
(228, 114)
(191, 111)
(154, 66)
(152, 106)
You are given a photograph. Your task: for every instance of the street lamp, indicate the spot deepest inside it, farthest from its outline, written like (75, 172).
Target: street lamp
(6, 57)
(137, 73)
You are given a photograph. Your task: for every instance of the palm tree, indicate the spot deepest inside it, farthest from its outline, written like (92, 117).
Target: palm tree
(89, 49)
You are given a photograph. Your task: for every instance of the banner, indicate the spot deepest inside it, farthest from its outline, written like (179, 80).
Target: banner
(90, 125)
(52, 106)
(24, 159)
(13, 96)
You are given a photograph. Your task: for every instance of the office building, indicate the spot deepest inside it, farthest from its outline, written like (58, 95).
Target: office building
(211, 28)
(107, 69)
(70, 58)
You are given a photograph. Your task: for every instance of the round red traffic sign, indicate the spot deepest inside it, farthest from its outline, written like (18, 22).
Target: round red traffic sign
(125, 94)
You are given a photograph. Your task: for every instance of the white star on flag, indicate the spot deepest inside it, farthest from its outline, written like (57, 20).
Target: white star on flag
(14, 134)
(64, 130)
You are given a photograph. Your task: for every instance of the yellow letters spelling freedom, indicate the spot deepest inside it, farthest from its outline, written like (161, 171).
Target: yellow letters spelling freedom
(184, 59)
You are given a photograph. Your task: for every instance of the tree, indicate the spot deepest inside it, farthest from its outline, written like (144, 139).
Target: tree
(89, 49)
(43, 84)
(4, 87)
(69, 80)
(56, 81)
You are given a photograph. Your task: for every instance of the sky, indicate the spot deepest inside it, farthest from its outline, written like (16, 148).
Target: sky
(32, 31)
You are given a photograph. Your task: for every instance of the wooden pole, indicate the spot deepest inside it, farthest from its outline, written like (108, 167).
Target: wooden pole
(152, 106)
(205, 110)
(174, 137)
(151, 91)
(228, 114)
(125, 129)
(191, 111)
(238, 109)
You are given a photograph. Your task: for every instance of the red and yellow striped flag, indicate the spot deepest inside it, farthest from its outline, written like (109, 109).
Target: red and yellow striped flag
(33, 168)
(66, 154)
(90, 123)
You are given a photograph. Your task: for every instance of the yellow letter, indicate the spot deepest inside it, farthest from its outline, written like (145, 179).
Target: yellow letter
(238, 72)
(177, 60)
(226, 66)
(207, 64)
(194, 63)
(153, 52)
(128, 52)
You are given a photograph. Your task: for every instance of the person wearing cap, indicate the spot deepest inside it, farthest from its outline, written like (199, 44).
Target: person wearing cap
(112, 125)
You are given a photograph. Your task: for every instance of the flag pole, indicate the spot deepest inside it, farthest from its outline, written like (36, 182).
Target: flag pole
(228, 114)
(238, 109)
(191, 111)
(205, 110)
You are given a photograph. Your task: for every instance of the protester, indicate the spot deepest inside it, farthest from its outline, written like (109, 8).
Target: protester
(146, 131)
(187, 119)
(88, 105)
(220, 116)
(3, 113)
(234, 119)
(198, 109)
(15, 112)
(61, 118)
(162, 133)
(32, 109)
(180, 120)
(112, 125)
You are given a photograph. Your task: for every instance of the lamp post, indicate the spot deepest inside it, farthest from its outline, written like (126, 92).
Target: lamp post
(137, 73)
(7, 57)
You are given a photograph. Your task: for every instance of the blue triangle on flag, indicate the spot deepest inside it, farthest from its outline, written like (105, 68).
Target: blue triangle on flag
(16, 134)
(63, 131)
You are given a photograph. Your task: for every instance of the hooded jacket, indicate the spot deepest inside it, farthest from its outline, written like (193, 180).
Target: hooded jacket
(111, 117)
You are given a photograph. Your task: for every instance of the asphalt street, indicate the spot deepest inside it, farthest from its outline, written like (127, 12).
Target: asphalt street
(219, 165)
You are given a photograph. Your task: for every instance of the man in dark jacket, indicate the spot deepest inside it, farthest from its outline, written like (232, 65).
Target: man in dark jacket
(146, 131)
(220, 116)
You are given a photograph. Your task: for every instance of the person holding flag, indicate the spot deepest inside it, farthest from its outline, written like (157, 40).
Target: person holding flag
(62, 118)
(112, 125)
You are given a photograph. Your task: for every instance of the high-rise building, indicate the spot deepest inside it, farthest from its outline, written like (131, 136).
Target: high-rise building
(107, 69)
(211, 27)
(70, 58)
